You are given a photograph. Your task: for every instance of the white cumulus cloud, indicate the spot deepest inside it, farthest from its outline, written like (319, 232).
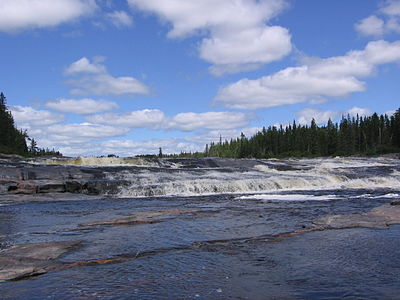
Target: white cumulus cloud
(27, 117)
(83, 65)
(17, 15)
(321, 117)
(82, 107)
(371, 25)
(305, 116)
(361, 112)
(387, 22)
(237, 37)
(131, 148)
(85, 130)
(209, 120)
(92, 78)
(391, 8)
(312, 82)
(156, 119)
(133, 119)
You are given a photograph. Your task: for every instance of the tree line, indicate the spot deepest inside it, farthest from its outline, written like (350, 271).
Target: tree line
(369, 135)
(14, 140)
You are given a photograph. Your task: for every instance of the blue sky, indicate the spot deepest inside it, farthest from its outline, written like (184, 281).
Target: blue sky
(95, 77)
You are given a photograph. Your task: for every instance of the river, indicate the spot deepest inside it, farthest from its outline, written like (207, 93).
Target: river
(203, 228)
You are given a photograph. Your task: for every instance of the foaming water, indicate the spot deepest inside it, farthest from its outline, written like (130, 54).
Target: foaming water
(143, 177)
(100, 161)
(262, 176)
(288, 197)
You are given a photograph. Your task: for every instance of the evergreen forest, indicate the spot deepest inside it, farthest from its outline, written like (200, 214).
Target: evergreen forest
(370, 135)
(13, 140)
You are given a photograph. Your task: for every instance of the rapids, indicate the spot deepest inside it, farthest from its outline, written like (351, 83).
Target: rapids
(189, 177)
(113, 228)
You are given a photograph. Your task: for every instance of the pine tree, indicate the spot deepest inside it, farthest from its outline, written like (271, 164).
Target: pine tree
(12, 140)
(353, 135)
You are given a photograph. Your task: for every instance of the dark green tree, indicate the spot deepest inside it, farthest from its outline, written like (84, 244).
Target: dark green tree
(351, 136)
(12, 140)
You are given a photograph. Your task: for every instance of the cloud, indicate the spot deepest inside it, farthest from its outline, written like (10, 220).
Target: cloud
(85, 130)
(311, 82)
(120, 19)
(361, 112)
(236, 35)
(321, 117)
(391, 8)
(156, 119)
(388, 22)
(390, 112)
(27, 117)
(225, 135)
(82, 107)
(75, 139)
(17, 15)
(47, 128)
(209, 120)
(131, 148)
(92, 78)
(172, 145)
(83, 65)
(371, 26)
(133, 119)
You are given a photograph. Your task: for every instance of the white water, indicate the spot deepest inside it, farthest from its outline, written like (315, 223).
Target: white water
(101, 161)
(319, 174)
(163, 177)
(287, 197)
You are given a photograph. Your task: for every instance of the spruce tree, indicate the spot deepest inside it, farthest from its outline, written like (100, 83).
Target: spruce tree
(12, 140)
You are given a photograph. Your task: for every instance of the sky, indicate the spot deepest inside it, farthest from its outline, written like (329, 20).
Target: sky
(126, 77)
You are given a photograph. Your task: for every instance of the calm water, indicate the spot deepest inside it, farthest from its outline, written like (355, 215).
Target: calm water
(226, 246)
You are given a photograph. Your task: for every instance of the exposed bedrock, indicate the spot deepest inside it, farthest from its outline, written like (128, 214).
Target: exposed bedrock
(92, 187)
(28, 260)
(142, 217)
(379, 217)
(22, 178)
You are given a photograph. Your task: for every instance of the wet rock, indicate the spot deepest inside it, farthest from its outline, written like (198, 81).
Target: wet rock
(24, 188)
(389, 212)
(52, 188)
(142, 217)
(28, 260)
(10, 156)
(379, 217)
(74, 187)
(7, 172)
(395, 202)
(351, 221)
(107, 186)
(6, 184)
